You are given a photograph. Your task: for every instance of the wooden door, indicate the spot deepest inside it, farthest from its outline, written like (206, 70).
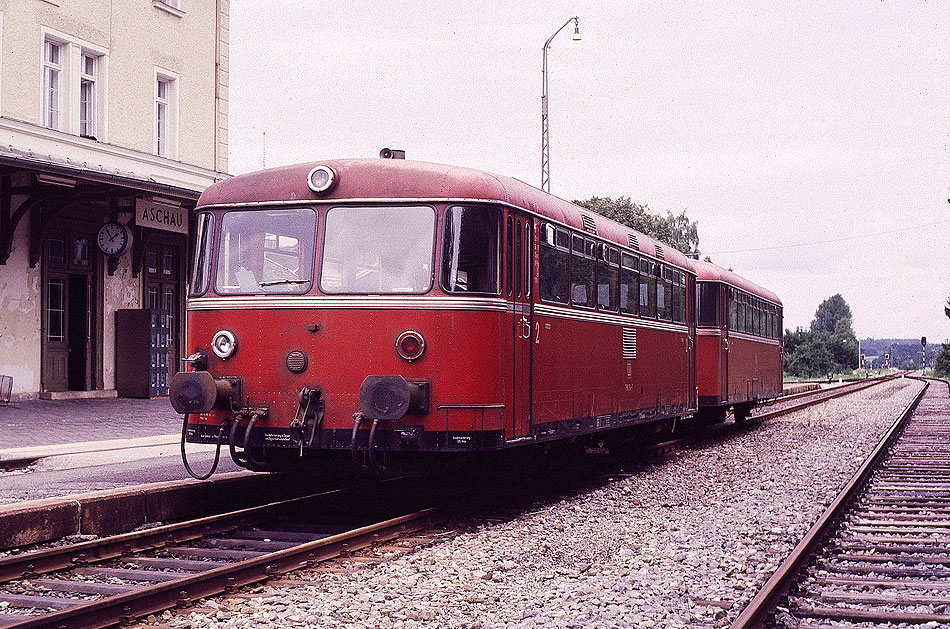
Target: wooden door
(68, 335)
(162, 291)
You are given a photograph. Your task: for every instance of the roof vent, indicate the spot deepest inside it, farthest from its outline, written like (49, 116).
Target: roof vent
(659, 252)
(392, 154)
(633, 241)
(589, 224)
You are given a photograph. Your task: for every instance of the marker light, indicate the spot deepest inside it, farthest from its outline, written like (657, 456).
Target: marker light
(410, 345)
(321, 179)
(224, 344)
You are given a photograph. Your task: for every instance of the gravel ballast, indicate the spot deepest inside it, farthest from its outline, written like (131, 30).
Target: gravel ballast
(684, 542)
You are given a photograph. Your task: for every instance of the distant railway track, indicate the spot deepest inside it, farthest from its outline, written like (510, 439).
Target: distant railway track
(116, 579)
(879, 554)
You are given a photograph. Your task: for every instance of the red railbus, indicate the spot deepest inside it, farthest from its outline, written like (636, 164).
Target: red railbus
(389, 313)
(739, 341)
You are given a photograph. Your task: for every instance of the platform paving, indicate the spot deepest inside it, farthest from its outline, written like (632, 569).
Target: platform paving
(39, 423)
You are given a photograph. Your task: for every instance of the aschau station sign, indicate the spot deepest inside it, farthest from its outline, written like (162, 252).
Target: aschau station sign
(158, 215)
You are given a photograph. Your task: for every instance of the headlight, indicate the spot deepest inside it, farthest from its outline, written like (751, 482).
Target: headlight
(224, 344)
(321, 179)
(410, 345)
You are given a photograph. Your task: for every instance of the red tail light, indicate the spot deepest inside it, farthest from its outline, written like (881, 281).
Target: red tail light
(410, 345)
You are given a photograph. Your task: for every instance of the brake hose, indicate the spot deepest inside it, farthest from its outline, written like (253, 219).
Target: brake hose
(217, 451)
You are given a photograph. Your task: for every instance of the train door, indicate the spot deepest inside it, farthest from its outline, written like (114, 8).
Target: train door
(727, 315)
(519, 259)
(690, 305)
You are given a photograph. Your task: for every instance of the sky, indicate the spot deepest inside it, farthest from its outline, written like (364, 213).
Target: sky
(810, 141)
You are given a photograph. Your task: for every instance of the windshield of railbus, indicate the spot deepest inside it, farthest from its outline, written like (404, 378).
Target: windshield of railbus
(265, 252)
(378, 250)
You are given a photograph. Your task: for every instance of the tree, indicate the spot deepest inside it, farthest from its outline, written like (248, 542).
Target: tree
(833, 317)
(677, 231)
(832, 324)
(811, 358)
(942, 361)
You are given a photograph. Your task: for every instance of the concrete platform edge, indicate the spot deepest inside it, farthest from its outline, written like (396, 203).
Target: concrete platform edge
(119, 510)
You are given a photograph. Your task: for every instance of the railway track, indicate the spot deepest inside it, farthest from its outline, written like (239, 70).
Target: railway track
(880, 555)
(117, 579)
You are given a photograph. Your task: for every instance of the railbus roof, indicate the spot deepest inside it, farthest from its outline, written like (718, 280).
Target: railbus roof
(405, 180)
(709, 272)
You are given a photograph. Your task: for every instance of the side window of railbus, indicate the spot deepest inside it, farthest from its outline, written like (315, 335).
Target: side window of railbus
(708, 304)
(647, 289)
(201, 277)
(629, 284)
(663, 293)
(678, 302)
(733, 310)
(509, 257)
(608, 278)
(582, 272)
(528, 258)
(740, 306)
(471, 256)
(266, 251)
(554, 281)
(519, 262)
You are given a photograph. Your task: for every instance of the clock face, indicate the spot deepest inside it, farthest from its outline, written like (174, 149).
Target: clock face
(114, 239)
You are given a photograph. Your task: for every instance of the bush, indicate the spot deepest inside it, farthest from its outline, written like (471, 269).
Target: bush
(942, 361)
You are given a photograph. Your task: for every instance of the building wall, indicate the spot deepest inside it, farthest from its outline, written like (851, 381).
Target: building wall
(20, 316)
(139, 37)
(122, 290)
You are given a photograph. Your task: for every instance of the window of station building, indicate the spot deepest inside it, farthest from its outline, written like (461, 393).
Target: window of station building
(554, 273)
(52, 75)
(582, 272)
(608, 278)
(629, 284)
(74, 74)
(647, 289)
(166, 114)
(470, 256)
(87, 95)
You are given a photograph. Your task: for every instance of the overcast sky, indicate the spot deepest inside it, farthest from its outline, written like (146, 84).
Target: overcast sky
(810, 141)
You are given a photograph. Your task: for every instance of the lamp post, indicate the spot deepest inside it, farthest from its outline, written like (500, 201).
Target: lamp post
(545, 157)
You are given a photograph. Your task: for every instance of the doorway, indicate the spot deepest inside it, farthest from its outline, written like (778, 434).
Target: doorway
(69, 341)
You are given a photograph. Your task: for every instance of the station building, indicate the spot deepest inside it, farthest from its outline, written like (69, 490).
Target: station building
(113, 120)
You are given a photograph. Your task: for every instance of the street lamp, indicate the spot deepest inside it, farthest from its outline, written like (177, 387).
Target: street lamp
(545, 157)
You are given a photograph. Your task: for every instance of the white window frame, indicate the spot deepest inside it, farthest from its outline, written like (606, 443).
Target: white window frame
(52, 105)
(169, 6)
(71, 77)
(87, 78)
(171, 80)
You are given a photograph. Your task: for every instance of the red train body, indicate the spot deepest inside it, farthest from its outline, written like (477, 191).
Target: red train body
(740, 342)
(390, 312)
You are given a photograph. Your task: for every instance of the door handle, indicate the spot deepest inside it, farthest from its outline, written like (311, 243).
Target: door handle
(525, 328)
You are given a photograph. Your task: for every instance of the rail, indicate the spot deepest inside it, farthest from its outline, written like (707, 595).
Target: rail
(754, 615)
